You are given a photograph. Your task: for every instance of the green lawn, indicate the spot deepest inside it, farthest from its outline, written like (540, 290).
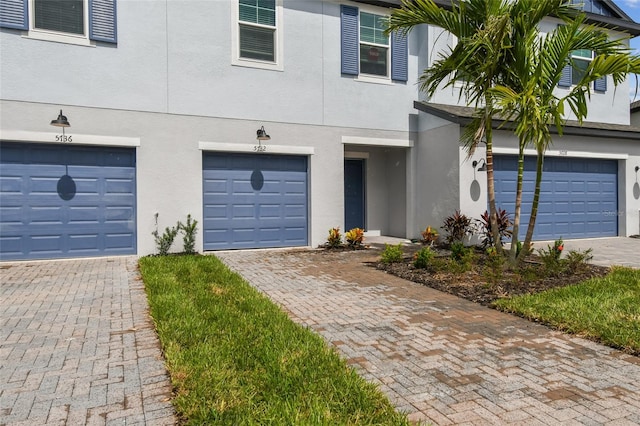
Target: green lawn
(605, 309)
(236, 358)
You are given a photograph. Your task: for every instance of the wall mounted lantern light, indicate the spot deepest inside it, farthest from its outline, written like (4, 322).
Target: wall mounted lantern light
(262, 135)
(482, 168)
(61, 121)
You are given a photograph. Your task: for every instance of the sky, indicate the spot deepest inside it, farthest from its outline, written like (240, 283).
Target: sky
(632, 8)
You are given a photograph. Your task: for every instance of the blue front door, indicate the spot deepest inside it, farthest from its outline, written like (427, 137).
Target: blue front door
(354, 200)
(66, 201)
(578, 198)
(254, 201)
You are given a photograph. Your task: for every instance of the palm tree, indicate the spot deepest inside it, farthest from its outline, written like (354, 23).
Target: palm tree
(533, 102)
(481, 59)
(482, 29)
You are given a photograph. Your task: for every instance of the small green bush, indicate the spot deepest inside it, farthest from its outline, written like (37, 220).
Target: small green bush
(462, 258)
(165, 241)
(391, 253)
(550, 258)
(190, 228)
(458, 251)
(424, 258)
(495, 265)
(576, 260)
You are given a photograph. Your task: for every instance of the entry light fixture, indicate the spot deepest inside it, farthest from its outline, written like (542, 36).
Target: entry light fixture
(637, 168)
(262, 135)
(482, 168)
(61, 121)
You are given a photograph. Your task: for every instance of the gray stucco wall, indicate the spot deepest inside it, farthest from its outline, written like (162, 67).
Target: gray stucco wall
(175, 57)
(435, 181)
(169, 158)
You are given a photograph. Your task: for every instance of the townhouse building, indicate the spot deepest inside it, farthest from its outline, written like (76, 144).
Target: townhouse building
(270, 122)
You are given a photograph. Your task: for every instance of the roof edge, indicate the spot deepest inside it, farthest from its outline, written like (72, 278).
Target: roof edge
(570, 128)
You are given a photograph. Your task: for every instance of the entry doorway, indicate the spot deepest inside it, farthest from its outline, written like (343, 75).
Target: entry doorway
(354, 193)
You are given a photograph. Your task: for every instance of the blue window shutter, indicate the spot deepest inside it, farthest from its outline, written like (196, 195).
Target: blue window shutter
(349, 39)
(566, 78)
(600, 85)
(13, 14)
(102, 21)
(399, 71)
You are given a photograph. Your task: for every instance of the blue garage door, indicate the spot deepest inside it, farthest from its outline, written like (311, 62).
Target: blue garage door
(66, 201)
(578, 198)
(254, 201)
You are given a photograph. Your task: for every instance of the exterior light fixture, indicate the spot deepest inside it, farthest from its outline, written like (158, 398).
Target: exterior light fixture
(61, 121)
(262, 135)
(637, 168)
(482, 168)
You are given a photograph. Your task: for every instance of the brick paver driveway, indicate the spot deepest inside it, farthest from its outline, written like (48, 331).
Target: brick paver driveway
(77, 346)
(440, 358)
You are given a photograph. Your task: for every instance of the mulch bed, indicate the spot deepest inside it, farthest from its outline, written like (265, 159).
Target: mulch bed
(475, 286)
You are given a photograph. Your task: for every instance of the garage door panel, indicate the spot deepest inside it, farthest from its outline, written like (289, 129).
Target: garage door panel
(576, 195)
(251, 200)
(54, 225)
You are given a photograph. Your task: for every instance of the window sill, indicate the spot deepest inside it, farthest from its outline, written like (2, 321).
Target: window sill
(58, 38)
(250, 63)
(375, 80)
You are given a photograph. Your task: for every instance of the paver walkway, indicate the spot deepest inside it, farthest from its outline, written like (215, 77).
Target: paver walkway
(77, 346)
(440, 358)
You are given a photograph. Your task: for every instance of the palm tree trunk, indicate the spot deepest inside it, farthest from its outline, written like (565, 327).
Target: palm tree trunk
(534, 206)
(491, 188)
(518, 208)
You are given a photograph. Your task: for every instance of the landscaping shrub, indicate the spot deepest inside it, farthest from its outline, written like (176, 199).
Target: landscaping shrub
(462, 258)
(391, 253)
(165, 241)
(423, 259)
(189, 229)
(504, 227)
(429, 236)
(355, 237)
(495, 265)
(457, 226)
(550, 258)
(335, 238)
(577, 260)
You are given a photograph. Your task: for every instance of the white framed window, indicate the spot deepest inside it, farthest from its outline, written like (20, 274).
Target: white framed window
(581, 60)
(257, 33)
(374, 45)
(365, 52)
(60, 20)
(81, 22)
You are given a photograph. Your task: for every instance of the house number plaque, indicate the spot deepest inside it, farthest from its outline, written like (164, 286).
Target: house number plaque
(64, 138)
(259, 148)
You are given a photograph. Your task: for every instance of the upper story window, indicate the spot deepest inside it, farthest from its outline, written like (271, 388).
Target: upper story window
(374, 45)
(366, 51)
(581, 59)
(592, 6)
(65, 16)
(257, 38)
(573, 73)
(69, 21)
